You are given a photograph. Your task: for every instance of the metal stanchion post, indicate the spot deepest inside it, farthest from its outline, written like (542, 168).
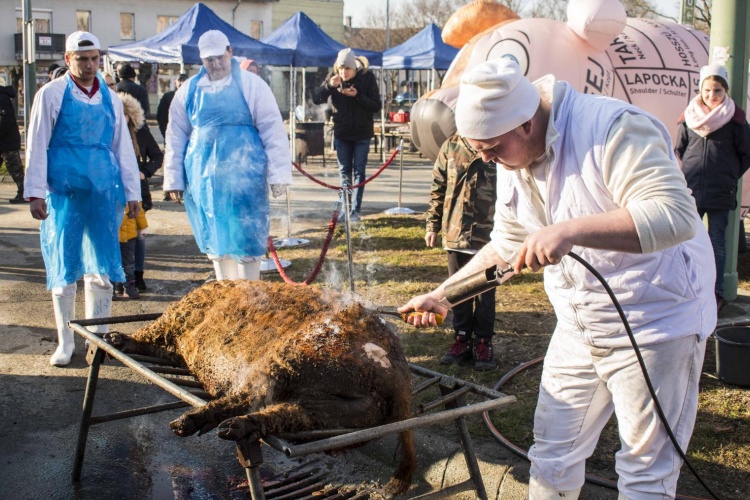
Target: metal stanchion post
(399, 210)
(289, 241)
(346, 192)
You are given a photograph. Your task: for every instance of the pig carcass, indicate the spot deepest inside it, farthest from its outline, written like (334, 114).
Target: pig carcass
(282, 359)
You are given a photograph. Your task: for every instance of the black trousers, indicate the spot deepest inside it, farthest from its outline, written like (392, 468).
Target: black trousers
(474, 316)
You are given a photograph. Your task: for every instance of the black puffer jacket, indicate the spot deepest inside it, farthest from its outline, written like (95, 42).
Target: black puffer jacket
(352, 116)
(10, 138)
(149, 162)
(137, 91)
(714, 164)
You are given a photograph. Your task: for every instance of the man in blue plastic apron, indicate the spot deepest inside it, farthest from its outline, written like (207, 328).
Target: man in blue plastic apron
(226, 143)
(596, 176)
(80, 170)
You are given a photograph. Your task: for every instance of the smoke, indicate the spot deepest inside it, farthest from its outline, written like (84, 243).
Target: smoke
(315, 112)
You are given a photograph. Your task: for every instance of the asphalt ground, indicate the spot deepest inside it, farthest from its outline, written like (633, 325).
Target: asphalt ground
(140, 458)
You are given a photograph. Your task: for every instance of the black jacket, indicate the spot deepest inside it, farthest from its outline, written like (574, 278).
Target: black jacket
(352, 116)
(714, 164)
(162, 112)
(10, 138)
(137, 91)
(149, 161)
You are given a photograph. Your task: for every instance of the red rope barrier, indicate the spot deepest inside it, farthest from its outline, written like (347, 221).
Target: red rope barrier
(331, 186)
(318, 265)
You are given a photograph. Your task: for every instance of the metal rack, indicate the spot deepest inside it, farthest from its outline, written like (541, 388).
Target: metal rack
(452, 392)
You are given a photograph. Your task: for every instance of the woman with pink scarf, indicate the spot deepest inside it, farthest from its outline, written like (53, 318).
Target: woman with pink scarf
(714, 147)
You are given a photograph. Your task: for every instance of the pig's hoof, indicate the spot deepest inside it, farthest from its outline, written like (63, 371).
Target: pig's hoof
(116, 339)
(237, 428)
(188, 424)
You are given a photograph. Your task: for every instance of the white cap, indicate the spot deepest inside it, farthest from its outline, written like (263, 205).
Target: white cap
(213, 43)
(73, 42)
(714, 70)
(494, 98)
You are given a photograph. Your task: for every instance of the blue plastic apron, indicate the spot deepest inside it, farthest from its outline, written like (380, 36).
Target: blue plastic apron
(86, 200)
(226, 195)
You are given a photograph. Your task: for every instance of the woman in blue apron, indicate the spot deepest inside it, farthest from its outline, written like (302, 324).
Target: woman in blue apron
(226, 194)
(85, 203)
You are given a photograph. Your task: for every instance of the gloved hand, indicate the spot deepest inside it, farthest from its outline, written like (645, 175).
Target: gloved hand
(278, 189)
(142, 232)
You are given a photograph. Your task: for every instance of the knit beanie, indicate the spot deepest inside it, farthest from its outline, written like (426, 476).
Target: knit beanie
(714, 70)
(494, 98)
(346, 59)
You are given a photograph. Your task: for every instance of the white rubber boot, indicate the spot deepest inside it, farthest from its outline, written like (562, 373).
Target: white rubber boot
(537, 491)
(98, 305)
(249, 270)
(226, 269)
(64, 311)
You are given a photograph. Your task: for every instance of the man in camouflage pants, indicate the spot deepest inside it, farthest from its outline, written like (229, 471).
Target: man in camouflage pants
(10, 141)
(462, 205)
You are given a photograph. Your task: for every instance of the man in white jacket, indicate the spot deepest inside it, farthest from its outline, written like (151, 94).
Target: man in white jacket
(80, 170)
(226, 144)
(596, 176)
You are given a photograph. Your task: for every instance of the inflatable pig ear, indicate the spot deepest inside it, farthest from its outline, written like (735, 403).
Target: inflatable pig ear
(474, 18)
(597, 21)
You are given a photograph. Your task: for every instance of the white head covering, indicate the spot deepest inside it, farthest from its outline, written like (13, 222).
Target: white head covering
(73, 42)
(494, 98)
(714, 70)
(212, 43)
(346, 59)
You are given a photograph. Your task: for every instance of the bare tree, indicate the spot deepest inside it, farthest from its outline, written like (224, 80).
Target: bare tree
(557, 9)
(702, 16)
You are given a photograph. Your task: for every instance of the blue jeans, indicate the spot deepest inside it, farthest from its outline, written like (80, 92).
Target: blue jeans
(352, 157)
(140, 253)
(717, 230)
(127, 252)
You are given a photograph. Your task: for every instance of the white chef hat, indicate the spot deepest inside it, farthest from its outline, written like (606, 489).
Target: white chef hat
(714, 70)
(212, 43)
(494, 98)
(80, 41)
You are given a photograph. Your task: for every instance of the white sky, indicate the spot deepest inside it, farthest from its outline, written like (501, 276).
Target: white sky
(358, 8)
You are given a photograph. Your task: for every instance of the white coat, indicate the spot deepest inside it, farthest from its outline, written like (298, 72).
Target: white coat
(266, 118)
(666, 294)
(42, 122)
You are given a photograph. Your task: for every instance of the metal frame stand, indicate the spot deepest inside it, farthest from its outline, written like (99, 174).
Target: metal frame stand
(346, 193)
(452, 397)
(289, 242)
(399, 210)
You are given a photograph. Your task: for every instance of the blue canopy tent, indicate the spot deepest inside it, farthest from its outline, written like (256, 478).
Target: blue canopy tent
(310, 44)
(178, 44)
(425, 50)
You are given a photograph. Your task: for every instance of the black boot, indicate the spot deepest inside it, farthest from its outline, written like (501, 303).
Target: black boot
(139, 283)
(19, 195)
(484, 359)
(460, 351)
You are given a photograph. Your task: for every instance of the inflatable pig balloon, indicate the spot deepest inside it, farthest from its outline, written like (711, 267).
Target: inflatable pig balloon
(652, 64)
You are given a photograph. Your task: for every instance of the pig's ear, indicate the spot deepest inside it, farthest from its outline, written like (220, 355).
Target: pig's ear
(598, 22)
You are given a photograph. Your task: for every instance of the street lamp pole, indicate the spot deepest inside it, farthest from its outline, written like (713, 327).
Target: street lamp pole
(29, 63)
(730, 46)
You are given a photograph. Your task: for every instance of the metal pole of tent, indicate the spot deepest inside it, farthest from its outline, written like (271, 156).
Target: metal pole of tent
(304, 99)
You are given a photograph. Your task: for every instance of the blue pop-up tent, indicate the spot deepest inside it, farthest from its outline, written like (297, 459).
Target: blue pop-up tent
(179, 42)
(312, 47)
(425, 50)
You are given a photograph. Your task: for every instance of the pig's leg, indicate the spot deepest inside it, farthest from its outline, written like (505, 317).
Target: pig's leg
(273, 419)
(205, 418)
(128, 345)
(307, 415)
